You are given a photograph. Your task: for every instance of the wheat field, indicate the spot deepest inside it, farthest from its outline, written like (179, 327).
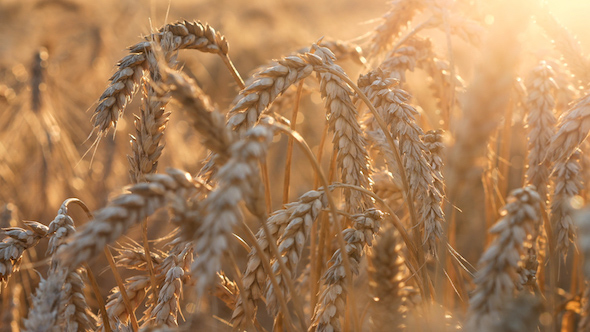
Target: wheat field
(411, 165)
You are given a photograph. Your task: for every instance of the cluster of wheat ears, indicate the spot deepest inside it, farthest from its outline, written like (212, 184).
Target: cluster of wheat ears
(372, 243)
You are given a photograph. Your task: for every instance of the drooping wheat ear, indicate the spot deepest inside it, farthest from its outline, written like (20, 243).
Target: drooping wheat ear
(136, 288)
(397, 18)
(171, 275)
(74, 313)
(342, 50)
(254, 278)
(153, 117)
(13, 247)
(301, 215)
(226, 290)
(134, 258)
(386, 274)
(567, 183)
(67, 310)
(443, 85)
(572, 130)
(124, 83)
(465, 28)
(239, 180)
(567, 44)
(348, 140)
(289, 227)
(332, 301)
(125, 211)
(392, 103)
(205, 119)
(495, 279)
(415, 51)
(46, 304)
(267, 86)
(541, 123)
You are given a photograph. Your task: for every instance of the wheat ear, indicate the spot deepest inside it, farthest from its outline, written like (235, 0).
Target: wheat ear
(572, 130)
(124, 83)
(292, 239)
(153, 117)
(13, 247)
(392, 103)
(541, 123)
(386, 274)
(398, 16)
(332, 299)
(125, 211)
(238, 181)
(291, 225)
(567, 183)
(172, 273)
(496, 277)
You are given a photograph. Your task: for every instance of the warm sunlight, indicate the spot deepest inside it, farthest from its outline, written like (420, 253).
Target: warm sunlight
(296, 166)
